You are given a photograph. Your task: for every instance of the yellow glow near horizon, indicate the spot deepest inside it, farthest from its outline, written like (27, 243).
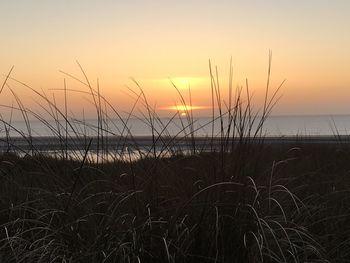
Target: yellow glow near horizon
(184, 108)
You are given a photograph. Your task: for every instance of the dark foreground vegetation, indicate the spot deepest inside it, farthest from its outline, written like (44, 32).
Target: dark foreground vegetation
(281, 203)
(243, 201)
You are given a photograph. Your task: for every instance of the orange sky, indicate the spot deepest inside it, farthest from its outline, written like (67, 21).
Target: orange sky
(153, 41)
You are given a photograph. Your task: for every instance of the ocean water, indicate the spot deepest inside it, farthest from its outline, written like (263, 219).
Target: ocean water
(49, 137)
(306, 125)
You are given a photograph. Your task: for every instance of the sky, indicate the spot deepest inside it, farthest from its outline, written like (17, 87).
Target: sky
(157, 41)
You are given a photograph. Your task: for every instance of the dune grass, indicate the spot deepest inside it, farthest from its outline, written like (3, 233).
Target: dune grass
(238, 200)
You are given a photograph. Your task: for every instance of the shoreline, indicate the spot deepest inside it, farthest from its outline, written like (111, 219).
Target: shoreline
(117, 143)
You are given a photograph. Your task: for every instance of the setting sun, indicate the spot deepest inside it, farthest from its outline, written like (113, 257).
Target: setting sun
(184, 83)
(184, 108)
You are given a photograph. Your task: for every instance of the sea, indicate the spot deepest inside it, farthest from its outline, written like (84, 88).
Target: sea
(134, 137)
(273, 126)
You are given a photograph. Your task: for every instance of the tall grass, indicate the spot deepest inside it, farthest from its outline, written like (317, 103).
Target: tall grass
(226, 198)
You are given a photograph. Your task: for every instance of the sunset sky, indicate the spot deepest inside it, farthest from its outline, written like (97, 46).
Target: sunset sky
(155, 40)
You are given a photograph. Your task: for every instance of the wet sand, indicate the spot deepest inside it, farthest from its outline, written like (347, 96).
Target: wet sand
(145, 142)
